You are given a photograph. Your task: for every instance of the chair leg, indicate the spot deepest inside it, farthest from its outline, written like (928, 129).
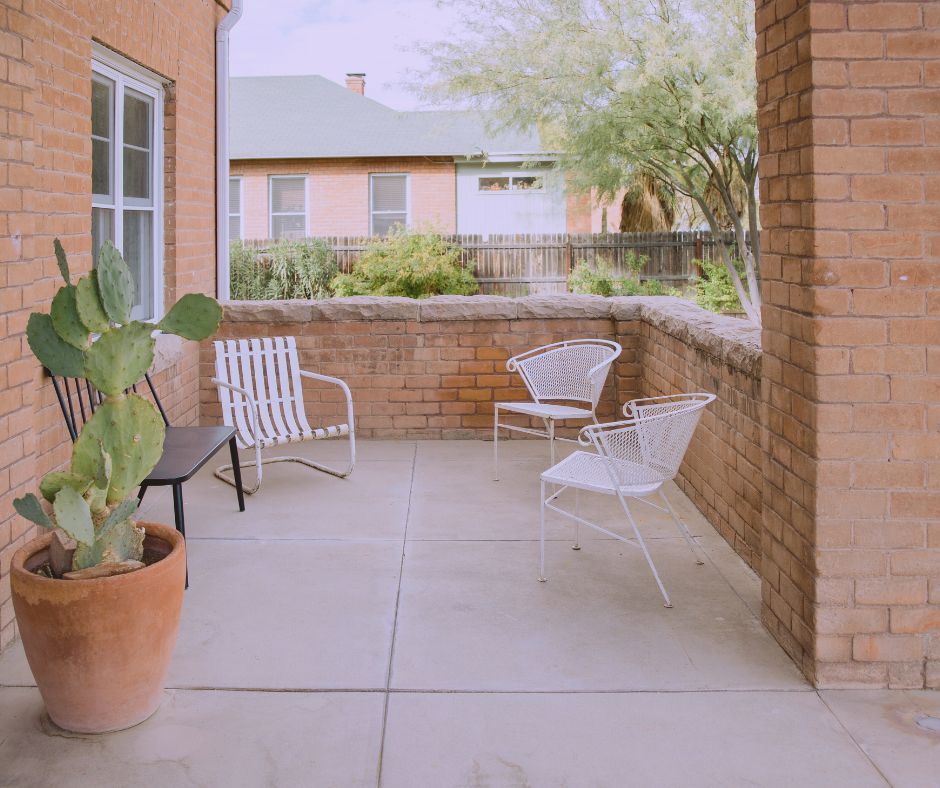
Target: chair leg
(542, 577)
(141, 493)
(551, 441)
(495, 444)
(695, 549)
(577, 523)
(180, 520)
(649, 558)
(237, 473)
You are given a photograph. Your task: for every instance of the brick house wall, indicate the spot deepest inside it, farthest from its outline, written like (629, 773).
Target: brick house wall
(338, 194)
(45, 192)
(849, 121)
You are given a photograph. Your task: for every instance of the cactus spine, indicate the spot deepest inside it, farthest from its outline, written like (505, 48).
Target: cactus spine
(123, 441)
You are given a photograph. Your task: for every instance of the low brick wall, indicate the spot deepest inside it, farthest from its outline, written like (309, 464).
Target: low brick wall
(433, 369)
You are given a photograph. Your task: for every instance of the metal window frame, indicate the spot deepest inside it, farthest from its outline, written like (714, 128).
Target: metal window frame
(373, 212)
(272, 214)
(125, 74)
(241, 204)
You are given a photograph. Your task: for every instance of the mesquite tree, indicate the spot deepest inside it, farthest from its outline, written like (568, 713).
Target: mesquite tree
(661, 88)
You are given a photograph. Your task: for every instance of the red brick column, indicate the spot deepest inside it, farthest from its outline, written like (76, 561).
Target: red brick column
(849, 120)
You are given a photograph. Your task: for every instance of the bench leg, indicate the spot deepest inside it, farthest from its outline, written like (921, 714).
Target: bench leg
(180, 519)
(237, 473)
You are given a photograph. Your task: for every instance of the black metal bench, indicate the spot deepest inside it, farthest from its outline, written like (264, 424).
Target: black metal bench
(185, 449)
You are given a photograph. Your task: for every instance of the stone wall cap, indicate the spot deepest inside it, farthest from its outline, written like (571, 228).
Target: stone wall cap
(564, 305)
(366, 308)
(297, 311)
(455, 307)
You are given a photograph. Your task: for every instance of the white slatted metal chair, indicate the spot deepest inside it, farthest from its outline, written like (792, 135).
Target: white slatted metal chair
(633, 459)
(259, 383)
(570, 371)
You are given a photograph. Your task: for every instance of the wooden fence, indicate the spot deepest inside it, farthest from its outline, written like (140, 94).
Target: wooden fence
(515, 265)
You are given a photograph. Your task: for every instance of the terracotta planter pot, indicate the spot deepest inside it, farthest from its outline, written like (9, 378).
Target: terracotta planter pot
(99, 649)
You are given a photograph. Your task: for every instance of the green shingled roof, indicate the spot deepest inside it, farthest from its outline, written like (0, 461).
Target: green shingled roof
(312, 117)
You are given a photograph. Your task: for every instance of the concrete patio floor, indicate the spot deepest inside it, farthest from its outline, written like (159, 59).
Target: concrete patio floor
(388, 629)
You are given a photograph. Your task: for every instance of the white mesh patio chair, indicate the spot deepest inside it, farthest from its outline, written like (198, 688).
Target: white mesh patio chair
(259, 383)
(570, 371)
(633, 459)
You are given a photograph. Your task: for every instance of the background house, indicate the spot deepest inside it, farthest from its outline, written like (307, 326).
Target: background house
(313, 158)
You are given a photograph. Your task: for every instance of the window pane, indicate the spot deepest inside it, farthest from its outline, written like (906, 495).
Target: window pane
(383, 222)
(234, 195)
(102, 229)
(494, 184)
(101, 107)
(526, 183)
(138, 252)
(287, 195)
(137, 119)
(137, 174)
(389, 193)
(287, 226)
(101, 168)
(234, 228)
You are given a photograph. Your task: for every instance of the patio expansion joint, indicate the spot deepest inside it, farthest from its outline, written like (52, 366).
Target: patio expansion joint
(391, 648)
(858, 746)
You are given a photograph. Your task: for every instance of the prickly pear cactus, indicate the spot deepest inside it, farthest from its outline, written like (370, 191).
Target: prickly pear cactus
(123, 441)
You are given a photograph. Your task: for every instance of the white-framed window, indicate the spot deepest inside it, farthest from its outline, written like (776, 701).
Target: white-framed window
(506, 184)
(389, 201)
(235, 185)
(127, 172)
(287, 206)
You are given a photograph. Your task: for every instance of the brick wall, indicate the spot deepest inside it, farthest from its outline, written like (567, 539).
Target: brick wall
(850, 167)
(432, 369)
(45, 192)
(338, 193)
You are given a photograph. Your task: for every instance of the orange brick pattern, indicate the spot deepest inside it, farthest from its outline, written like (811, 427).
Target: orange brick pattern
(721, 472)
(45, 192)
(850, 142)
(426, 380)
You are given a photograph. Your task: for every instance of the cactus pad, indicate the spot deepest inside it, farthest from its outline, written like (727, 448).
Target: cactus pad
(88, 302)
(195, 316)
(65, 319)
(56, 355)
(73, 516)
(119, 514)
(121, 542)
(131, 431)
(29, 507)
(115, 284)
(62, 260)
(55, 481)
(120, 358)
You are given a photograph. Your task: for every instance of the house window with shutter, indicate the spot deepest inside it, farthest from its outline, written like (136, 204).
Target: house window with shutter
(235, 209)
(389, 202)
(127, 172)
(288, 206)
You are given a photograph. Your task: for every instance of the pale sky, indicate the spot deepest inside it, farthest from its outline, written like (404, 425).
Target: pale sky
(332, 37)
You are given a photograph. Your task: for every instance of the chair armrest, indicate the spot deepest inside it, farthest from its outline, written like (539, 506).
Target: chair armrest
(629, 408)
(251, 401)
(336, 382)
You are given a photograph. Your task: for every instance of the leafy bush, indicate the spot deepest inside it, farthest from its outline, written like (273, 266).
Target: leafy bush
(714, 290)
(601, 280)
(411, 264)
(287, 269)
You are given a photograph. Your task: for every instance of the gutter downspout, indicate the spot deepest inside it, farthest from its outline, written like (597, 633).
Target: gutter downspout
(221, 148)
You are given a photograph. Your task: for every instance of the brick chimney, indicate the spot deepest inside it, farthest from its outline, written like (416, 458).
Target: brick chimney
(356, 83)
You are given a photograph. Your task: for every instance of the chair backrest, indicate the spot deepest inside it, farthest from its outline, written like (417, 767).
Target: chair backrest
(267, 368)
(650, 446)
(572, 370)
(78, 400)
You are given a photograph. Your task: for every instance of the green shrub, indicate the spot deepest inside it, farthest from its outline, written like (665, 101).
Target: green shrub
(714, 290)
(411, 264)
(287, 269)
(601, 280)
